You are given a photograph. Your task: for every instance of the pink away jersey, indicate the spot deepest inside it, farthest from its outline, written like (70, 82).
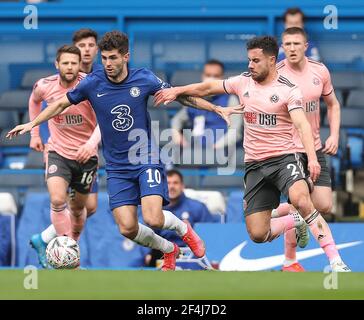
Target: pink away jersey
(69, 130)
(268, 127)
(314, 81)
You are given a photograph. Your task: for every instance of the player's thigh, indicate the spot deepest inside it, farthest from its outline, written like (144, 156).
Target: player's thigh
(299, 197)
(127, 219)
(152, 210)
(84, 175)
(258, 225)
(260, 195)
(122, 190)
(322, 199)
(153, 181)
(58, 176)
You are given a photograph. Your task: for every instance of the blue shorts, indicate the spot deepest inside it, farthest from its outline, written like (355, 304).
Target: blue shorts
(95, 185)
(127, 187)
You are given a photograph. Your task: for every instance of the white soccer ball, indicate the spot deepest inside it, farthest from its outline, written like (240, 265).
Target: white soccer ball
(63, 253)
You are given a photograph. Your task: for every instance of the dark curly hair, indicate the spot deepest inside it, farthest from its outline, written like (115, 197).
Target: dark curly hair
(267, 43)
(114, 40)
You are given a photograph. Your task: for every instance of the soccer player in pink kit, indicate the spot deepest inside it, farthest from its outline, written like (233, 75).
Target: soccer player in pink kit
(69, 133)
(272, 106)
(314, 81)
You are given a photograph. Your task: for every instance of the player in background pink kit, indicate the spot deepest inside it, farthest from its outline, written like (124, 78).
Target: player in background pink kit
(272, 106)
(86, 40)
(314, 81)
(69, 133)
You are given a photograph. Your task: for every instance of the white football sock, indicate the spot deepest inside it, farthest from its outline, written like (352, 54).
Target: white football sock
(288, 262)
(48, 234)
(171, 222)
(148, 238)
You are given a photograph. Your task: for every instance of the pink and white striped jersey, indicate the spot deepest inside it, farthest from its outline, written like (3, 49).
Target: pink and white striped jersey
(73, 127)
(268, 127)
(314, 81)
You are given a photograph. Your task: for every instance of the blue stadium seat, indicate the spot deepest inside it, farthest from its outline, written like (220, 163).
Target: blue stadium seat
(346, 80)
(222, 182)
(350, 117)
(235, 209)
(7, 240)
(35, 160)
(183, 77)
(355, 99)
(19, 141)
(30, 77)
(8, 119)
(15, 100)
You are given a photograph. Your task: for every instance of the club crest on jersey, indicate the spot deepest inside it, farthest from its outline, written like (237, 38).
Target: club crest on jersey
(316, 81)
(135, 92)
(52, 169)
(274, 98)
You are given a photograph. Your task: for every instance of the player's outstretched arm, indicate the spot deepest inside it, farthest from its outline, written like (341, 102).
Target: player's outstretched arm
(305, 132)
(35, 108)
(201, 89)
(333, 114)
(203, 104)
(52, 110)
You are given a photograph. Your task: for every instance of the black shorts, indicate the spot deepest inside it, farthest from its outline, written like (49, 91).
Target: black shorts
(324, 180)
(80, 176)
(266, 180)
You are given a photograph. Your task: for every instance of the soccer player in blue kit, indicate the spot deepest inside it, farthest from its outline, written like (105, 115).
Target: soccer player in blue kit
(135, 174)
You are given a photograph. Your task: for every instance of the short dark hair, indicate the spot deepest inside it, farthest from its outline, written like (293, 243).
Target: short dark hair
(292, 11)
(295, 30)
(68, 49)
(268, 43)
(216, 63)
(114, 40)
(174, 172)
(84, 33)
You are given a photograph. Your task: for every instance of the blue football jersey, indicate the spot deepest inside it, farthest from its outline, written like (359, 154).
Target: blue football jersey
(121, 111)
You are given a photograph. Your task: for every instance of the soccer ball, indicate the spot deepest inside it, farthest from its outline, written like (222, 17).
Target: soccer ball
(63, 253)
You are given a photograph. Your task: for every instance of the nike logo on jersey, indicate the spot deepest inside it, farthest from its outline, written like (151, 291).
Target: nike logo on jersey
(233, 261)
(100, 94)
(153, 185)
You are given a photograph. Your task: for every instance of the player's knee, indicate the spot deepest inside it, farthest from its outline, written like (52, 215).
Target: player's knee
(153, 219)
(324, 208)
(128, 232)
(58, 201)
(302, 202)
(259, 236)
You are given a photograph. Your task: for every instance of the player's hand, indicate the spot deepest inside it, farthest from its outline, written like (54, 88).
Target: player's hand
(19, 129)
(226, 112)
(36, 144)
(165, 96)
(331, 145)
(84, 153)
(314, 168)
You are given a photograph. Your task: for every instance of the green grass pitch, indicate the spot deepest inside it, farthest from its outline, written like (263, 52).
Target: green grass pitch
(107, 284)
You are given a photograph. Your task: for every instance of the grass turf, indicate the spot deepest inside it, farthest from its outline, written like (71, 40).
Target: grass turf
(107, 284)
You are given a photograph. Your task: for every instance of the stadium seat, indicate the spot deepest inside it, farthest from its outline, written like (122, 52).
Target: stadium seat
(214, 200)
(183, 77)
(8, 119)
(355, 99)
(350, 117)
(20, 179)
(30, 77)
(161, 116)
(19, 141)
(161, 75)
(222, 182)
(235, 209)
(35, 160)
(7, 240)
(7, 204)
(232, 73)
(15, 100)
(346, 80)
